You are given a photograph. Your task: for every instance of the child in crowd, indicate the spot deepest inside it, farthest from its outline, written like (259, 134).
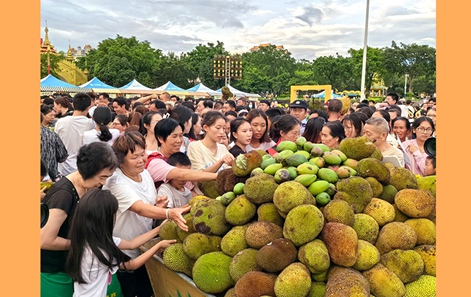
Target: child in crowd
(430, 166)
(175, 190)
(95, 255)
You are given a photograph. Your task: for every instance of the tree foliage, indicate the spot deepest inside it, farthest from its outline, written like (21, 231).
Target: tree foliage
(53, 63)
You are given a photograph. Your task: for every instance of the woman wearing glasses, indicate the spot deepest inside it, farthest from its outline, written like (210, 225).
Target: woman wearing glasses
(423, 129)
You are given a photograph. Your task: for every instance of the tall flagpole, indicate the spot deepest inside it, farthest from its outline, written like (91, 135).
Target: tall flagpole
(365, 49)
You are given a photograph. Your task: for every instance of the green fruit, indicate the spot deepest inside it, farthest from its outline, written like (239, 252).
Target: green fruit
(296, 160)
(308, 146)
(256, 171)
(331, 190)
(352, 163)
(287, 145)
(322, 199)
(323, 147)
(318, 186)
(240, 211)
(306, 179)
(176, 259)
(293, 173)
(307, 168)
(303, 153)
(271, 169)
(283, 155)
(328, 175)
(282, 175)
(211, 272)
(227, 198)
(331, 158)
(303, 223)
(316, 151)
(300, 141)
(239, 188)
(318, 161)
(268, 161)
(342, 156)
(344, 171)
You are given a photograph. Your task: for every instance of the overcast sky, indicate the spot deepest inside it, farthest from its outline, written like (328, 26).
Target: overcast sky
(308, 29)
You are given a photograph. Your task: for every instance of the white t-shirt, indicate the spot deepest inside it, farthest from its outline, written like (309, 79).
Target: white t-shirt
(70, 130)
(394, 151)
(92, 136)
(95, 274)
(128, 223)
(175, 197)
(263, 146)
(201, 157)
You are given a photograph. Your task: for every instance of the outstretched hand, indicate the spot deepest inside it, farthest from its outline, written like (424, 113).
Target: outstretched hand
(176, 215)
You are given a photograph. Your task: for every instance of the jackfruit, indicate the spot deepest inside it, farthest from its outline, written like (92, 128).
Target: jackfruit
(255, 284)
(245, 163)
(339, 211)
(196, 244)
(406, 264)
(177, 260)
(402, 178)
(209, 218)
(415, 203)
(383, 282)
(260, 188)
(315, 256)
(189, 222)
(234, 240)
(366, 227)
(269, 212)
(211, 273)
(388, 193)
(357, 148)
(240, 211)
(293, 281)
(371, 167)
(226, 180)
(346, 282)
(395, 235)
(428, 253)
(425, 286)
(208, 188)
(261, 233)
(380, 210)
(243, 262)
(429, 184)
(276, 255)
(356, 191)
(318, 289)
(341, 242)
(168, 231)
(303, 223)
(368, 256)
(425, 229)
(291, 194)
(376, 186)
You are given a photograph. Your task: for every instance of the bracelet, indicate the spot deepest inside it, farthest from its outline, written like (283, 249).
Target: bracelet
(166, 212)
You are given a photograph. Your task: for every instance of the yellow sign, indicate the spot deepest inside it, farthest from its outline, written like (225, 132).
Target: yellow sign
(327, 88)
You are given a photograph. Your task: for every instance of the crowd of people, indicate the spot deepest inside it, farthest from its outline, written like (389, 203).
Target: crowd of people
(123, 166)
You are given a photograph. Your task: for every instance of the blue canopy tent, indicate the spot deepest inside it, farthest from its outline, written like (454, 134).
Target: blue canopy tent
(51, 83)
(200, 88)
(321, 95)
(238, 93)
(171, 89)
(135, 87)
(99, 87)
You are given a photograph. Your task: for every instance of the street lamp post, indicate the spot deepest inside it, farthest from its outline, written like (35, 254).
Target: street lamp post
(365, 48)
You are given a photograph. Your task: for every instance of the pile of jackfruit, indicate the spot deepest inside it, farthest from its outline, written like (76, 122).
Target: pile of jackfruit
(310, 221)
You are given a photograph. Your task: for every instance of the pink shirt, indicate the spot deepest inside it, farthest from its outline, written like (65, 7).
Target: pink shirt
(159, 170)
(416, 160)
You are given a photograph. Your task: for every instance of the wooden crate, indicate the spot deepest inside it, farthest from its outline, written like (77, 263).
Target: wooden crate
(166, 282)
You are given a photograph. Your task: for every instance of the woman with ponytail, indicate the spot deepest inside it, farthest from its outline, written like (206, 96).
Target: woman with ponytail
(102, 119)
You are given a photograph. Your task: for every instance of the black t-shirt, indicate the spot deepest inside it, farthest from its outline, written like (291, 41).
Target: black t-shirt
(61, 195)
(236, 150)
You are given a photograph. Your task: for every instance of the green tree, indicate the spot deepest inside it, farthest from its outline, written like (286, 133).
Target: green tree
(120, 60)
(335, 71)
(174, 68)
(414, 60)
(374, 65)
(53, 63)
(200, 63)
(267, 70)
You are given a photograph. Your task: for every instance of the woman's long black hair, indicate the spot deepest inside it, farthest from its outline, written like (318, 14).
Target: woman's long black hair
(92, 226)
